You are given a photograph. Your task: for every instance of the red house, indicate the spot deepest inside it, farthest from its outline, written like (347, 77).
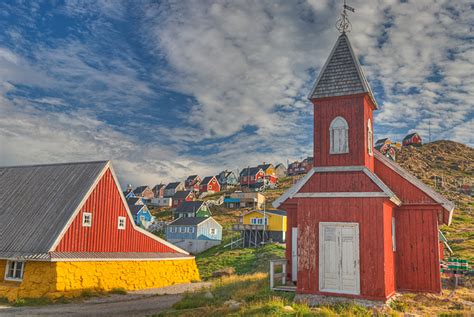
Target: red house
(192, 183)
(252, 177)
(183, 195)
(209, 184)
(359, 225)
(413, 139)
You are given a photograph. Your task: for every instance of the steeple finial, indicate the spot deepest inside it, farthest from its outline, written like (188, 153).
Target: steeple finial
(343, 25)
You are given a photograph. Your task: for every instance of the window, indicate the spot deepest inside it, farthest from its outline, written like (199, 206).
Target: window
(181, 230)
(394, 244)
(121, 223)
(370, 138)
(191, 229)
(14, 270)
(339, 135)
(258, 221)
(212, 231)
(86, 219)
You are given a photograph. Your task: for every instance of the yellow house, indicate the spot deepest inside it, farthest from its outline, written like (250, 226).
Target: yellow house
(70, 229)
(272, 221)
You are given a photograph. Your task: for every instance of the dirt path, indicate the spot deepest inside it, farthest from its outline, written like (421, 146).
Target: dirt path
(140, 303)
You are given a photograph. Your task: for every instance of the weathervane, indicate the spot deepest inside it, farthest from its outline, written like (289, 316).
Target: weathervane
(343, 25)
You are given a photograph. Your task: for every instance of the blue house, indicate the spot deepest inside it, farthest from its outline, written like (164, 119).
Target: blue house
(129, 194)
(141, 215)
(194, 234)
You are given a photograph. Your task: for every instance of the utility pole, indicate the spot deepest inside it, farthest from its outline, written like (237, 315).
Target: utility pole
(429, 131)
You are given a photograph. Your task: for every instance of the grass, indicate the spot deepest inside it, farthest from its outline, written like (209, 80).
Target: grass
(246, 260)
(118, 291)
(256, 298)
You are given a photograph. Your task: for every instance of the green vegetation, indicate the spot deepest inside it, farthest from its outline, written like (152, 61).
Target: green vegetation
(118, 291)
(247, 260)
(31, 302)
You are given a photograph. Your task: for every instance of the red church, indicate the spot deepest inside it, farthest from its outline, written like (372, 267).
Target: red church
(359, 225)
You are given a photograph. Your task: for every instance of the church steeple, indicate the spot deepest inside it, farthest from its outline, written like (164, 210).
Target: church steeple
(342, 74)
(343, 105)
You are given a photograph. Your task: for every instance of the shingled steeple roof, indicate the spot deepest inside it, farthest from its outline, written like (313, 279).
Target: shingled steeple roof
(342, 74)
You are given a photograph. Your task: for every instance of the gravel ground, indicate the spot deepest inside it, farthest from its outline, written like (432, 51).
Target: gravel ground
(138, 303)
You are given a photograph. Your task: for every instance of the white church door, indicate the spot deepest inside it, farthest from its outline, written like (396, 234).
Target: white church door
(339, 257)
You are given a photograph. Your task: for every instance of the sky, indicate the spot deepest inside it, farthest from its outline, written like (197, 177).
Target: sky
(173, 88)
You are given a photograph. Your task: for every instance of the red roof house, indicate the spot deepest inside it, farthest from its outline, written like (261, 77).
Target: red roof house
(209, 184)
(359, 225)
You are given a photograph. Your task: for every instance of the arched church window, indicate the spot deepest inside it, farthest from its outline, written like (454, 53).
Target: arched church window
(339, 136)
(370, 138)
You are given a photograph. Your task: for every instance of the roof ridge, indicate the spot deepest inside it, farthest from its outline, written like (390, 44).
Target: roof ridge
(56, 164)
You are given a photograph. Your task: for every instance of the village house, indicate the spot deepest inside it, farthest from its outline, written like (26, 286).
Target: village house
(172, 188)
(162, 201)
(195, 235)
(252, 177)
(192, 209)
(129, 194)
(359, 225)
(258, 226)
(72, 230)
(159, 190)
(280, 170)
(144, 192)
(183, 195)
(270, 175)
(141, 215)
(413, 139)
(135, 201)
(240, 199)
(303, 167)
(209, 185)
(227, 180)
(192, 183)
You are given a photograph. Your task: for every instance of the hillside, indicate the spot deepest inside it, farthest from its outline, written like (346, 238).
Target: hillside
(452, 164)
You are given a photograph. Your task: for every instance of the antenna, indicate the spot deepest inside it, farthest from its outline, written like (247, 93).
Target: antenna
(343, 25)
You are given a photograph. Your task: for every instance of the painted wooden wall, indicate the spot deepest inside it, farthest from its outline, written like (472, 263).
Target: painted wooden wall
(106, 205)
(356, 110)
(417, 252)
(408, 193)
(369, 213)
(339, 182)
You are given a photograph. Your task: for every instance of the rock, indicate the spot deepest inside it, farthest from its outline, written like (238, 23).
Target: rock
(227, 271)
(288, 309)
(208, 295)
(232, 304)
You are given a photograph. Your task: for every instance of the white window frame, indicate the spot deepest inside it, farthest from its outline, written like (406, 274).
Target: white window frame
(342, 132)
(15, 264)
(122, 223)
(370, 138)
(191, 229)
(212, 231)
(84, 217)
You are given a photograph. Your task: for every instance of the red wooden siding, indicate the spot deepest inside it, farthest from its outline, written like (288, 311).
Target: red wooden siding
(340, 182)
(106, 205)
(389, 257)
(417, 254)
(407, 192)
(369, 213)
(356, 110)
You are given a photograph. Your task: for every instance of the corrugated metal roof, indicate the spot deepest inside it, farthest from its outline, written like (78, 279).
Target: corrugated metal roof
(96, 256)
(181, 194)
(37, 201)
(188, 221)
(342, 74)
(189, 206)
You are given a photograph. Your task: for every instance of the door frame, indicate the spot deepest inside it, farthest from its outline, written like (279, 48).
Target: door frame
(294, 254)
(356, 253)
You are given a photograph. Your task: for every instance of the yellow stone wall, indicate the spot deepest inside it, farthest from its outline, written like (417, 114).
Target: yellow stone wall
(56, 279)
